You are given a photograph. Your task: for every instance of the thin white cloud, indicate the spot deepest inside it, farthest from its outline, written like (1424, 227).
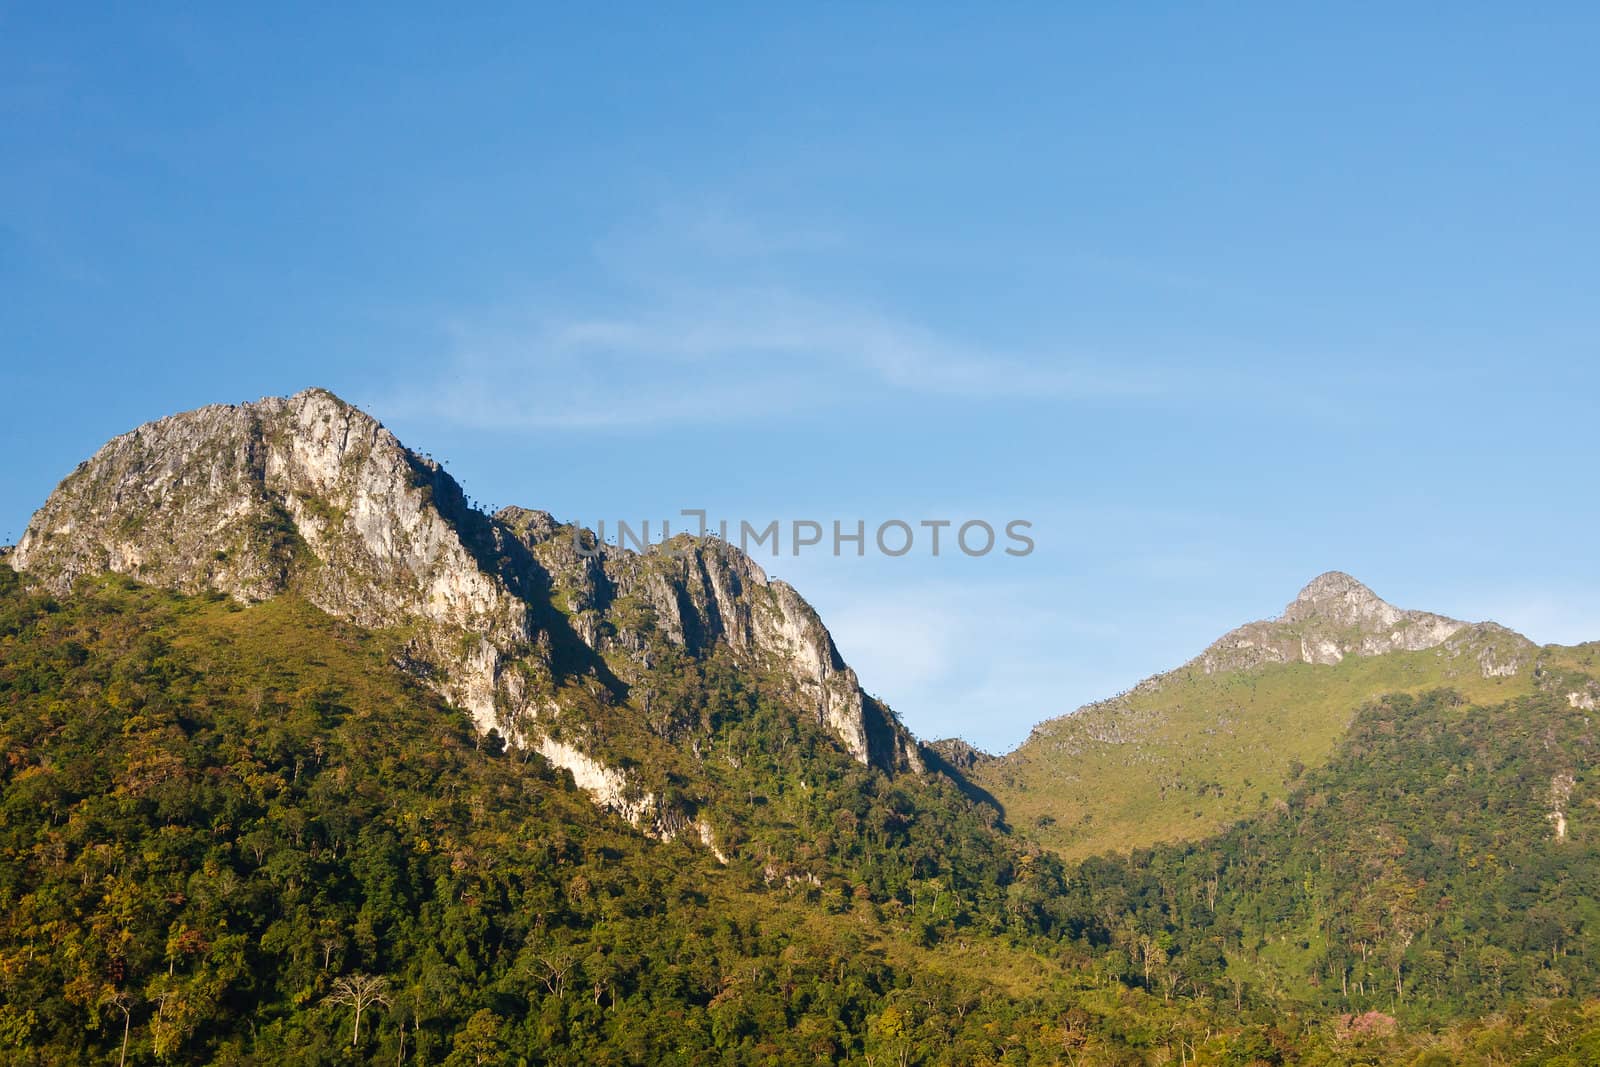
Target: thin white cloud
(700, 356)
(715, 322)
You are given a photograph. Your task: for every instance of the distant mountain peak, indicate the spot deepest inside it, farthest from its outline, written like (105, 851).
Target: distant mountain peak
(1191, 750)
(1332, 585)
(1334, 616)
(1338, 598)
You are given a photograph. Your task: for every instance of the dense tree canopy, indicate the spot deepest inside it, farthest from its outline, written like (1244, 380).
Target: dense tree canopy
(226, 831)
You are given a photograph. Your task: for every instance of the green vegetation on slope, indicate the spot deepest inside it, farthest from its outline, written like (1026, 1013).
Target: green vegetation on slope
(1444, 863)
(221, 827)
(211, 817)
(1190, 753)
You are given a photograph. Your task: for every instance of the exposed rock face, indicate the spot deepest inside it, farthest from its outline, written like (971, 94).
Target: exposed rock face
(310, 495)
(610, 788)
(700, 593)
(1499, 652)
(1560, 800)
(304, 493)
(959, 754)
(1333, 617)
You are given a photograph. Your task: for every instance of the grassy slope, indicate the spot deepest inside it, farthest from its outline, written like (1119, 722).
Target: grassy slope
(1423, 851)
(1181, 760)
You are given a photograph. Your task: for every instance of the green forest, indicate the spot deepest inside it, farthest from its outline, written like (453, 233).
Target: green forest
(239, 835)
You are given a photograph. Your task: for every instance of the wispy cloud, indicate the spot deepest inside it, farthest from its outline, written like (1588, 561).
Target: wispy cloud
(679, 349)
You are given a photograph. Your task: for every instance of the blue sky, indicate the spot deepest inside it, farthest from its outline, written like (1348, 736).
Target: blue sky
(1218, 297)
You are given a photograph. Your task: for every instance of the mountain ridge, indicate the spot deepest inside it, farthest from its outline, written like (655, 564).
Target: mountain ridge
(501, 615)
(534, 627)
(225, 803)
(1185, 752)
(1333, 616)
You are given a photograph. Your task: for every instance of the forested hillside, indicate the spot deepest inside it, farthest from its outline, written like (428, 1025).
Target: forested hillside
(212, 816)
(1446, 862)
(224, 829)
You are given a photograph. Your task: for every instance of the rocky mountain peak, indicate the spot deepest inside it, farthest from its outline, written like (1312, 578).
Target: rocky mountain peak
(1338, 598)
(1334, 616)
(702, 594)
(309, 495)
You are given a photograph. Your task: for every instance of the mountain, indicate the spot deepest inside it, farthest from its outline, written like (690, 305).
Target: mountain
(539, 633)
(304, 493)
(304, 760)
(1188, 752)
(702, 595)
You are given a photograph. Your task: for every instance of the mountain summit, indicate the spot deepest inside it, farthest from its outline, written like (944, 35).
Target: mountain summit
(1334, 616)
(1337, 597)
(305, 493)
(309, 496)
(1190, 750)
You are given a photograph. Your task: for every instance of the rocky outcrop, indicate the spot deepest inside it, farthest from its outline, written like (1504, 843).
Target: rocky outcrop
(699, 594)
(307, 494)
(304, 493)
(1333, 617)
(1499, 652)
(616, 791)
(1560, 798)
(958, 753)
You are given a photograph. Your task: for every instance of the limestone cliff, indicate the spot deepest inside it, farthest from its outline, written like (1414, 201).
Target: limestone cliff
(304, 493)
(309, 495)
(701, 593)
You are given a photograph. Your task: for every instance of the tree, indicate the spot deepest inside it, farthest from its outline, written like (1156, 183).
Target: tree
(478, 1042)
(359, 992)
(123, 1003)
